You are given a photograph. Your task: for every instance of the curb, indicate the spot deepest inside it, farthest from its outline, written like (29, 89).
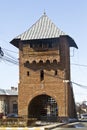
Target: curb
(15, 128)
(48, 127)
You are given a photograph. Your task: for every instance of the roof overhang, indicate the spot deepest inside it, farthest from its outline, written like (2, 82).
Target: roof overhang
(71, 42)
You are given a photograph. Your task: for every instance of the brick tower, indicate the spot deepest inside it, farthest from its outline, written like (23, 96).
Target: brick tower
(45, 91)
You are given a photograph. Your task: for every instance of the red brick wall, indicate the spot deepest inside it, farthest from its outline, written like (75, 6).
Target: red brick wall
(54, 86)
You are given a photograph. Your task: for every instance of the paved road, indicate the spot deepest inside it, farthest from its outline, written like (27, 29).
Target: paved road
(77, 125)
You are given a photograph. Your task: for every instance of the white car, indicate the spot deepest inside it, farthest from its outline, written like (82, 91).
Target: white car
(84, 116)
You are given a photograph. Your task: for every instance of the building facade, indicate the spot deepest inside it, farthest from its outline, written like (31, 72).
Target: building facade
(8, 101)
(45, 90)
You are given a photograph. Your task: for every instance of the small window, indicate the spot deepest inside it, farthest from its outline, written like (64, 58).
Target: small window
(40, 45)
(30, 45)
(55, 72)
(50, 45)
(27, 73)
(41, 75)
(45, 45)
(15, 108)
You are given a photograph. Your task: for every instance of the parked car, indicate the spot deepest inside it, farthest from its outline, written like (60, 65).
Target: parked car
(84, 116)
(12, 115)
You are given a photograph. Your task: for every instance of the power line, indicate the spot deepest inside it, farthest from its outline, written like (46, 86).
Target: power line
(9, 50)
(5, 58)
(79, 65)
(61, 78)
(8, 57)
(80, 85)
(82, 65)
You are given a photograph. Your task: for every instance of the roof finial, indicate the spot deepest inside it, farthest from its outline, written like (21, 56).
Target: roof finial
(44, 12)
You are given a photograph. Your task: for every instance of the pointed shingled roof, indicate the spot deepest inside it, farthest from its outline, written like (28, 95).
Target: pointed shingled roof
(42, 29)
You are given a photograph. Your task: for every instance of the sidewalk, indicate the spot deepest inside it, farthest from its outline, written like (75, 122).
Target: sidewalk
(33, 128)
(21, 128)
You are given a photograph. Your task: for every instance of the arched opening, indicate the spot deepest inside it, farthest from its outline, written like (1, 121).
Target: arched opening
(47, 61)
(43, 107)
(55, 62)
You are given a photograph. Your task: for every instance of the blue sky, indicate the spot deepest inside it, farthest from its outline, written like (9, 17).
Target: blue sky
(69, 15)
